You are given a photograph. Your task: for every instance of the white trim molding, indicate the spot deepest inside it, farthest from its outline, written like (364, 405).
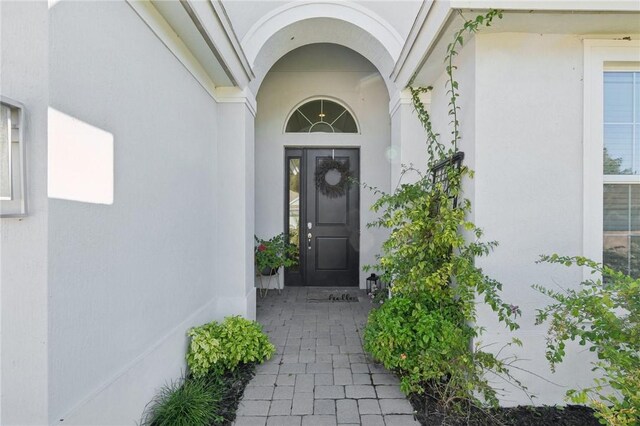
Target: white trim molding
(212, 22)
(16, 205)
(597, 53)
(293, 12)
(233, 38)
(170, 39)
(237, 95)
(425, 34)
(161, 28)
(550, 5)
(403, 97)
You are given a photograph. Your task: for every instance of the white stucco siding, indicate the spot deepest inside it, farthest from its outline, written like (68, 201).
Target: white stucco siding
(235, 214)
(521, 131)
(128, 279)
(529, 184)
(23, 242)
(408, 139)
(335, 72)
(439, 106)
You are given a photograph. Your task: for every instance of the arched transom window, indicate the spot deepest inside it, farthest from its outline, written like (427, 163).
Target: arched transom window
(321, 115)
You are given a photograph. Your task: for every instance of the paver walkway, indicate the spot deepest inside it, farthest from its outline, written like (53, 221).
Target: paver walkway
(320, 374)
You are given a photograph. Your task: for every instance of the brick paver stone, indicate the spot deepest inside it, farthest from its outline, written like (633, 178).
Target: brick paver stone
(253, 408)
(360, 391)
(284, 421)
(302, 403)
(329, 392)
(347, 411)
(389, 391)
(304, 383)
(280, 407)
(320, 374)
(250, 421)
(395, 406)
(258, 392)
(381, 379)
(368, 406)
(400, 420)
(361, 379)
(342, 376)
(324, 406)
(372, 420)
(318, 420)
(283, 392)
(263, 380)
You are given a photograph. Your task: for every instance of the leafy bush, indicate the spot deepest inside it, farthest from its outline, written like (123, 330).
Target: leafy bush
(426, 341)
(218, 347)
(416, 339)
(605, 316)
(184, 403)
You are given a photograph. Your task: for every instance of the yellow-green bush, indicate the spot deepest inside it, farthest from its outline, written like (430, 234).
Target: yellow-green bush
(217, 347)
(603, 315)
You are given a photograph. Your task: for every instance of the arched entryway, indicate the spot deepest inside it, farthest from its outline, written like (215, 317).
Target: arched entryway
(351, 96)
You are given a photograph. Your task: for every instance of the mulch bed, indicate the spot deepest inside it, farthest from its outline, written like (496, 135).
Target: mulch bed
(429, 414)
(234, 383)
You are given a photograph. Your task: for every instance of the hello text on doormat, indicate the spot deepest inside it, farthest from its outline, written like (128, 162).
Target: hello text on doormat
(332, 297)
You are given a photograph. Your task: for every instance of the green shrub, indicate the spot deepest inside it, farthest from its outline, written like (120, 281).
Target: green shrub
(426, 341)
(218, 347)
(417, 340)
(184, 403)
(606, 318)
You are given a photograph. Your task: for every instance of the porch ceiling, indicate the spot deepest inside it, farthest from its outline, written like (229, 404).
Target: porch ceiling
(296, 24)
(321, 30)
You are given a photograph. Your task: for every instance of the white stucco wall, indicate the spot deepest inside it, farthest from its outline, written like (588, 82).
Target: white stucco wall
(23, 242)
(467, 103)
(321, 70)
(408, 140)
(529, 183)
(127, 280)
(521, 100)
(235, 214)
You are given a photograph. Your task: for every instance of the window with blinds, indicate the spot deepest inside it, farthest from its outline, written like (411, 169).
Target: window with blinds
(621, 136)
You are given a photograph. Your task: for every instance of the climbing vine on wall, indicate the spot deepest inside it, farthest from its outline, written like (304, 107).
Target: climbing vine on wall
(424, 331)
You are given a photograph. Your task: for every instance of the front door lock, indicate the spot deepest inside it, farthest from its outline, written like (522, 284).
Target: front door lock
(309, 236)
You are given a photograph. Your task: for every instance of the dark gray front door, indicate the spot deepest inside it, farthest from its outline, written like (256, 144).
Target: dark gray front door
(328, 228)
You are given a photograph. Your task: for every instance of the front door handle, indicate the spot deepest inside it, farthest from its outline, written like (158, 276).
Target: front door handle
(309, 236)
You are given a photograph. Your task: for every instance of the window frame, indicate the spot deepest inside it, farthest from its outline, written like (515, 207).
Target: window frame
(597, 55)
(16, 205)
(324, 98)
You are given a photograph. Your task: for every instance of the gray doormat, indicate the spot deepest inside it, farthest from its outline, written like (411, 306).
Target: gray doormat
(334, 295)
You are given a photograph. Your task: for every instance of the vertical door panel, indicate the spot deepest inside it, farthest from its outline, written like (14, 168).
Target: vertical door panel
(333, 249)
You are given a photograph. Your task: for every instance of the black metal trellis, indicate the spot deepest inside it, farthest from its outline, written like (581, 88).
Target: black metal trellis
(439, 172)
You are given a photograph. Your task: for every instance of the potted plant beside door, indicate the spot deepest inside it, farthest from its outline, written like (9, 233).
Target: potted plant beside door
(270, 256)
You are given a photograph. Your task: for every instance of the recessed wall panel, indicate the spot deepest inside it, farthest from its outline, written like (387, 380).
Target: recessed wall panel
(332, 253)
